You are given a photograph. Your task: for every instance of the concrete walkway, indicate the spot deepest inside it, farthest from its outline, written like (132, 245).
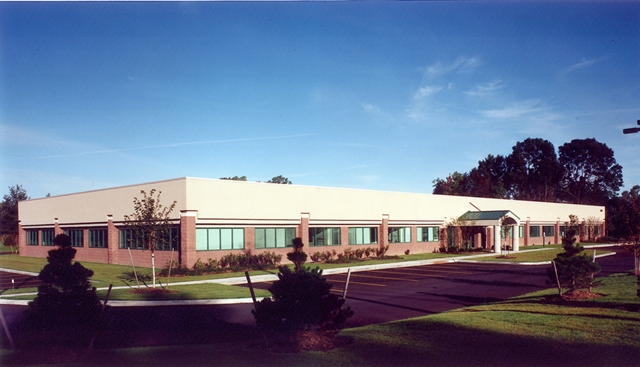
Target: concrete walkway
(272, 277)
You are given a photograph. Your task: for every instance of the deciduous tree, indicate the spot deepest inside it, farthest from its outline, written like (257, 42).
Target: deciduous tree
(592, 175)
(534, 170)
(9, 210)
(150, 224)
(280, 180)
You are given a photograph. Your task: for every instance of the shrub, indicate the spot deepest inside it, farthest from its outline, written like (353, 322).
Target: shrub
(575, 269)
(66, 303)
(297, 256)
(230, 262)
(302, 300)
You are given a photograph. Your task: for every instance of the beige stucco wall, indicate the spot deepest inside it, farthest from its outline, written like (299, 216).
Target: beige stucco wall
(94, 206)
(259, 201)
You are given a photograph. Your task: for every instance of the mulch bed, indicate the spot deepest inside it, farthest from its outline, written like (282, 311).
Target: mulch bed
(305, 341)
(578, 295)
(151, 291)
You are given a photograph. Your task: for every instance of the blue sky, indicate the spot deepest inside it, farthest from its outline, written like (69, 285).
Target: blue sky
(384, 96)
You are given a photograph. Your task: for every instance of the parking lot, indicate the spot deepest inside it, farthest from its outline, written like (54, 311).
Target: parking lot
(391, 294)
(10, 281)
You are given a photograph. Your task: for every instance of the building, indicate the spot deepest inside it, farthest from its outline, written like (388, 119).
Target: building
(213, 218)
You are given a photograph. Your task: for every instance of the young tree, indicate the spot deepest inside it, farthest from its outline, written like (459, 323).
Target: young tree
(9, 211)
(66, 301)
(591, 223)
(150, 224)
(466, 228)
(574, 268)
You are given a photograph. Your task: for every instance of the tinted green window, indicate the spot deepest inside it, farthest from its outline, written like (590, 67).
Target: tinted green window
(363, 235)
(428, 234)
(534, 231)
(324, 236)
(127, 238)
(399, 234)
(211, 239)
(274, 237)
(32, 238)
(47, 237)
(75, 236)
(98, 238)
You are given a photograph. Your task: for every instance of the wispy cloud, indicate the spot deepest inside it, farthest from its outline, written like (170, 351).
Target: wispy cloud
(372, 109)
(461, 64)
(516, 110)
(485, 89)
(425, 91)
(584, 63)
(172, 145)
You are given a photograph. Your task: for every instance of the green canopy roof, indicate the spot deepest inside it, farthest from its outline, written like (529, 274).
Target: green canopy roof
(490, 217)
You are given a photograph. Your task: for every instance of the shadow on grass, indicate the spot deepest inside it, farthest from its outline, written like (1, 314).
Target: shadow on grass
(442, 344)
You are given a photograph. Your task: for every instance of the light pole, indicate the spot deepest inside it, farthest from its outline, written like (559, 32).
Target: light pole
(632, 130)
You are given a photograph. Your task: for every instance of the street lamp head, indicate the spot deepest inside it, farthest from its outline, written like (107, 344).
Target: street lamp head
(631, 130)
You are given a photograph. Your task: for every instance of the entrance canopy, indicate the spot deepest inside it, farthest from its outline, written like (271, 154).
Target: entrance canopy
(491, 218)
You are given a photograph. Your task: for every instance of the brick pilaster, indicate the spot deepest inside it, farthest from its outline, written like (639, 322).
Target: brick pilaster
(188, 237)
(384, 231)
(112, 241)
(303, 228)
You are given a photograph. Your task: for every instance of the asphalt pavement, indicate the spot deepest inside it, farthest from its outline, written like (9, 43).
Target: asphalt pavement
(376, 294)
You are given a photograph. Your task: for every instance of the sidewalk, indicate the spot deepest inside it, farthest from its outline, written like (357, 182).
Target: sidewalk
(273, 277)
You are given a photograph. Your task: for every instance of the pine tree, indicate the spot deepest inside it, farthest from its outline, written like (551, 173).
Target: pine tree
(575, 268)
(66, 302)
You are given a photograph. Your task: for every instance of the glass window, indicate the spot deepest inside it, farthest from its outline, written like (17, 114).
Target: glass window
(363, 235)
(428, 234)
(324, 236)
(399, 234)
(274, 237)
(563, 230)
(98, 238)
(32, 238)
(75, 235)
(534, 231)
(521, 231)
(548, 231)
(127, 238)
(211, 239)
(47, 237)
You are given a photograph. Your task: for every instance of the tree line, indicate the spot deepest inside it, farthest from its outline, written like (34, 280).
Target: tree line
(584, 171)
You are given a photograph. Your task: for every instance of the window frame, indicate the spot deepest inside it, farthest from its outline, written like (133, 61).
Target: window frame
(282, 237)
(334, 236)
(98, 241)
(76, 236)
(433, 234)
(359, 236)
(535, 229)
(47, 236)
(402, 234)
(220, 239)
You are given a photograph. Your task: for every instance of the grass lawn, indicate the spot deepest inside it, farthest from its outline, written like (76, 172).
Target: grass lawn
(530, 330)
